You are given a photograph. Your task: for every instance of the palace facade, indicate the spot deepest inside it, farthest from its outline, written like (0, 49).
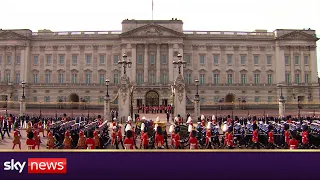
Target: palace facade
(230, 66)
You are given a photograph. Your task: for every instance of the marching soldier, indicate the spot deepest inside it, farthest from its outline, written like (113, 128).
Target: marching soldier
(270, 137)
(67, 140)
(286, 136)
(36, 136)
(50, 141)
(177, 139)
(30, 142)
(305, 139)
(255, 135)
(29, 127)
(229, 138)
(159, 138)
(114, 135)
(48, 127)
(119, 137)
(81, 140)
(90, 141)
(16, 139)
(208, 135)
(96, 139)
(145, 138)
(293, 143)
(41, 129)
(128, 142)
(193, 140)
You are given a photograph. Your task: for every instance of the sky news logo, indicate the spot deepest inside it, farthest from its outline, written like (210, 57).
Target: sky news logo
(38, 165)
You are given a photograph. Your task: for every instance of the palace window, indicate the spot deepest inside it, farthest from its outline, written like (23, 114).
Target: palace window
(269, 60)
(0, 59)
(269, 98)
(88, 59)
(47, 99)
(152, 78)
(202, 79)
(48, 59)
(306, 60)
(229, 59)
(257, 79)
(102, 78)
(74, 78)
(164, 78)
(188, 78)
(287, 78)
(61, 78)
(35, 78)
(140, 59)
(140, 78)
(164, 59)
(243, 59)
(243, 79)
(257, 99)
(35, 99)
(255, 59)
(61, 59)
(215, 78)
(115, 78)
(18, 78)
(187, 59)
(215, 59)
(18, 59)
(74, 59)
(230, 78)
(87, 99)
(88, 77)
(8, 79)
(115, 60)
(307, 78)
(152, 59)
(8, 59)
(201, 59)
(35, 60)
(101, 99)
(297, 78)
(296, 60)
(269, 78)
(48, 78)
(287, 60)
(102, 59)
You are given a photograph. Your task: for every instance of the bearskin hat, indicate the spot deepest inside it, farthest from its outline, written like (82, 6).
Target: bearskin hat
(90, 134)
(30, 135)
(193, 133)
(129, 134)
(254, 126)
(286, 127)
(304, 127)
(159, 130)
(294, 134)
(270, 127)
(229, 129)
(145, 130)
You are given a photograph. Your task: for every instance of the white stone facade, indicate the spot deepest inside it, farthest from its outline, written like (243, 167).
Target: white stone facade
(229, 65)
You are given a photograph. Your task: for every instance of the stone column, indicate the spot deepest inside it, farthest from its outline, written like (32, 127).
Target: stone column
(179, 96)
(22, 106)
(158, 63)
(170, 60)
(3, 65)
(281, 107)
(313, 65)
(124, 97)
(106, 108)
(13, 63)
(145, 64)
(134, 62)
(302, 67)
(196, 107)
(292, 65)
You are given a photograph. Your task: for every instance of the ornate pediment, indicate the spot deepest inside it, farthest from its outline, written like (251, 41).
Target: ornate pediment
(10, 35)
(298, 35)
(152, 30)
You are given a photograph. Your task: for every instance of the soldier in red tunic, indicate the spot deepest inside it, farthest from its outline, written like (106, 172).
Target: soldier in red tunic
(114, 135)
(145, 138)
(81, 140)
(96, 139)
(270, 137)
(29, 128)
(177, 139)
(16, 139)
(50, 141)
(90, 141)
(193, 140)
(159, 138)
(208, 135)
(48, 127)
(36, 136)
(305, 139)
(230, 143)
(293, 143)
(67, 140)
(255, 137)
(128, 142)
(286, 136)
(119, 137)
(41, 129)
(30, 141)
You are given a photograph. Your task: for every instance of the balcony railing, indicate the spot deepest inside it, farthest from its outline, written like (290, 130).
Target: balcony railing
(75, 33)
(229, 33)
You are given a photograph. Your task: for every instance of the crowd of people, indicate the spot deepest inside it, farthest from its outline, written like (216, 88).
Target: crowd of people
(205, 133)
(154, 109)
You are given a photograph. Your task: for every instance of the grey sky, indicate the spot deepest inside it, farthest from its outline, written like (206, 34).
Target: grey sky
(99, 15)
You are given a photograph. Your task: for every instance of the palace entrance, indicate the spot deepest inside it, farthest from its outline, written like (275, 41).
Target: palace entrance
(230, 100)
(74, 99)
(152, 98)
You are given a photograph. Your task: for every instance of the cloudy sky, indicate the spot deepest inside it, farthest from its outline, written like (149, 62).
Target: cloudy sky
(99, 15)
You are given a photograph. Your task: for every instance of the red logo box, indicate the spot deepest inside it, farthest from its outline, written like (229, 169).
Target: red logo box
(47, 165)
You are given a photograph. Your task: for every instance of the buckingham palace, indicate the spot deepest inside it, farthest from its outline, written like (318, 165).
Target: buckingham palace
(230, 66)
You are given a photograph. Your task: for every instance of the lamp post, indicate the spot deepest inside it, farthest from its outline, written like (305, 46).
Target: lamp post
(23, 84)
(179, 63)
(6, 105)
(107, 101)
(197, 99)
(124, 63)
